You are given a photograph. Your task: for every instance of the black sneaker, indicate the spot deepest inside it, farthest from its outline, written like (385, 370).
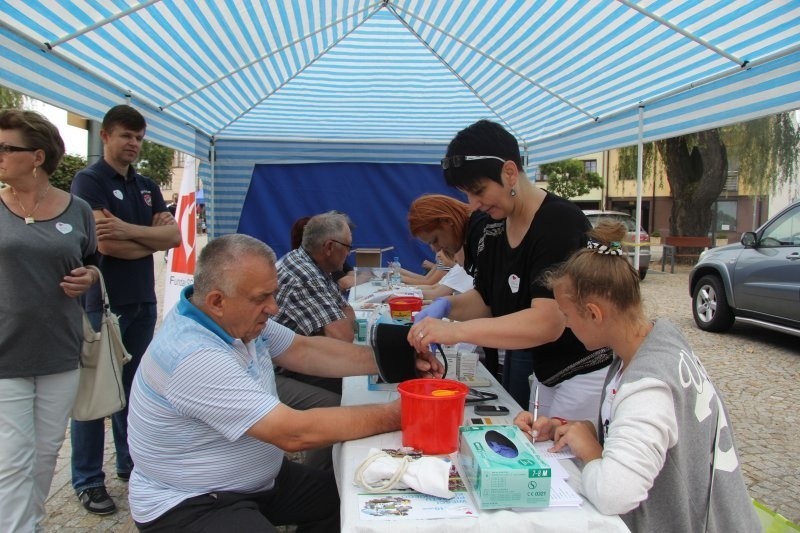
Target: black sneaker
(97, 501)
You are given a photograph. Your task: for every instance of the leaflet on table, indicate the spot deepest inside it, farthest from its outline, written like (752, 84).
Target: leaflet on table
(383, 295)
(561, 495)
(543, 446)
(407, 504)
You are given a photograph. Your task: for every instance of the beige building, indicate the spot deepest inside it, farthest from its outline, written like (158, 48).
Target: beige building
(737, 209)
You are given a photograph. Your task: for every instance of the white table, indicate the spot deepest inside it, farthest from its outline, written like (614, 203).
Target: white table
(348, 456)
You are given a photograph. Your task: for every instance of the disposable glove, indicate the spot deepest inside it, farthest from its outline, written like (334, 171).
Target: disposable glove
(439, 308)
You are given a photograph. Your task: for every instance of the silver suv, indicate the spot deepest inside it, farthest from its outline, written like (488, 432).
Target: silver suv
(756, 281)
(629, 245)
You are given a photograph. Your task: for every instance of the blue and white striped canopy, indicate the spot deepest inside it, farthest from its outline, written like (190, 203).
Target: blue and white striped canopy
(394, 80)
(409, 70)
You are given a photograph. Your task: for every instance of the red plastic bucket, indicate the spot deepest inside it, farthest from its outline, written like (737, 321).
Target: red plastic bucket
(431, 411)
(401, 307)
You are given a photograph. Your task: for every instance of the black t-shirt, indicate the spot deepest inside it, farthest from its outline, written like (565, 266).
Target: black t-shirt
(478, 220)
(509, 278)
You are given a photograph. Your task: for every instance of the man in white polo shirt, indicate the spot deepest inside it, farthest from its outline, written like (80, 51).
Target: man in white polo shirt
(206, 428)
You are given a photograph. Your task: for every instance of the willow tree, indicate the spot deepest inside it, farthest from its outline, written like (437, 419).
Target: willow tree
(696, 165)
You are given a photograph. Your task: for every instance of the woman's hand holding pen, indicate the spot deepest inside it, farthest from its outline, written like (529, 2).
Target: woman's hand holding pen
(538, 429)
(581, 437)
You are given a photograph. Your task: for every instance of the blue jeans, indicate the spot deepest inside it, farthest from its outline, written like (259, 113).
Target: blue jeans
(517, 366)
(137, 323)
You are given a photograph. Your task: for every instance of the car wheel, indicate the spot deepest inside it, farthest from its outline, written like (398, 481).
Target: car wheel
(710, 305)
(642, 273)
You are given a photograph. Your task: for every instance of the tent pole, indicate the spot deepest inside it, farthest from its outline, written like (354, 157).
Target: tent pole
(639, 165)
(211, 200)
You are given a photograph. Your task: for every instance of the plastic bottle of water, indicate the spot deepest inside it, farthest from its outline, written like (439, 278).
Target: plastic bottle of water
(394, 270)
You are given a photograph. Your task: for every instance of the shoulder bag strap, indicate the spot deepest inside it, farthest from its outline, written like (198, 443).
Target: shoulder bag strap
(101, 282)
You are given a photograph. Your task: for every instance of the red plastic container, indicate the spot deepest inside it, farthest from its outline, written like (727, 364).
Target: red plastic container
(401, 307)
(431, 411)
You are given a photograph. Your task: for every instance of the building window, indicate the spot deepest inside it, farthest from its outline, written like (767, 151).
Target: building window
(726, 215)
(590, 166)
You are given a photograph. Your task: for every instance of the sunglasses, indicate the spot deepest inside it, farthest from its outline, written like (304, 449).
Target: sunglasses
(456, 161)
(10, 148)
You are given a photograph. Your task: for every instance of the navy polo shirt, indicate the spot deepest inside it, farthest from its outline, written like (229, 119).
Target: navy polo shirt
(134, 199)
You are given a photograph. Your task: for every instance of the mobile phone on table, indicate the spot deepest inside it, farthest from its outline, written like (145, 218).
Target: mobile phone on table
(490, 409)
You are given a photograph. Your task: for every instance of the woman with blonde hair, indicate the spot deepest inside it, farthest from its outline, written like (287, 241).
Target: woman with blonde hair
(663, 438)
(46, 237)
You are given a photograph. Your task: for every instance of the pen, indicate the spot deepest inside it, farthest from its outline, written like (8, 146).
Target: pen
(535, 433)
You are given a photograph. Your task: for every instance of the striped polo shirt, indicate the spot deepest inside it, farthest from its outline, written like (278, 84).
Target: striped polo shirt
(196, 393)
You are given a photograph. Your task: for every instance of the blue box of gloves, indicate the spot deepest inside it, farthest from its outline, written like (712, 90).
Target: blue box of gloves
(502, 468)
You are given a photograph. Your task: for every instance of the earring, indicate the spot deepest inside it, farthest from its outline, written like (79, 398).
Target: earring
(513, 192)
(34, 172)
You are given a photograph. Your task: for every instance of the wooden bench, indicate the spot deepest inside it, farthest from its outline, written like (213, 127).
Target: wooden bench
(682, 247)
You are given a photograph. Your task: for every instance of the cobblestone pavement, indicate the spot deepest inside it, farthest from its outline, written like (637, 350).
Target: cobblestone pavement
(756, 370)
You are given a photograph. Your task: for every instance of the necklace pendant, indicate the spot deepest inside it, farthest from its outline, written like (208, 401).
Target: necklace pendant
(29, 220)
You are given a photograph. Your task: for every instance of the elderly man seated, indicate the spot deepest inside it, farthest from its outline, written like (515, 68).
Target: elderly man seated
(310, 301)
(206, 429)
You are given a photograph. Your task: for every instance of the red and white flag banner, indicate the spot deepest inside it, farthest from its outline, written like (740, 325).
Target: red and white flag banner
(181, 260)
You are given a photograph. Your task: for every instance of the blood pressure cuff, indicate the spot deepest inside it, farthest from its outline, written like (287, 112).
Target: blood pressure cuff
(395, 357)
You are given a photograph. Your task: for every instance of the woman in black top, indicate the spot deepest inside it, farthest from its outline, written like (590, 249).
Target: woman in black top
(510, 309)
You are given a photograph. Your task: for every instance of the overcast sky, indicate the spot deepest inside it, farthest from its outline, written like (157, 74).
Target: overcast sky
(74, 138)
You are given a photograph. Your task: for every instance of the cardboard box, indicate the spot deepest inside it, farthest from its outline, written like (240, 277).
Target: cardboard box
(370, 257)
(502, 468)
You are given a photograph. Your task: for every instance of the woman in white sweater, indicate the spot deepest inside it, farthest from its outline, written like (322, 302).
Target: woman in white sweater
(663, 432)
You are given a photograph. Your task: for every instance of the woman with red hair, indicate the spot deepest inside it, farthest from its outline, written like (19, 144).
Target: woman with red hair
(446, 224)
(451, 227)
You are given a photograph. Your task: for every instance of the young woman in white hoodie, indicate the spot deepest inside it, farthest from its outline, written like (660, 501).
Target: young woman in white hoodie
(661, 453)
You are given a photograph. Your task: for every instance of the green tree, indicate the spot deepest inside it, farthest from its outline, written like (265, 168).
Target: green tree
(569, 179)
(696, 165)
(10, 98)
(155, 161)
(70, 164)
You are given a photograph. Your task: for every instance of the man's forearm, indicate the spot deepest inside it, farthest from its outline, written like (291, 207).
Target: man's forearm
(123, 249)
(327, 357)
(161, 237)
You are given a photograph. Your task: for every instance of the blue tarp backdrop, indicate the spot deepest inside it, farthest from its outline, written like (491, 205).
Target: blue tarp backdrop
(376, 196)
